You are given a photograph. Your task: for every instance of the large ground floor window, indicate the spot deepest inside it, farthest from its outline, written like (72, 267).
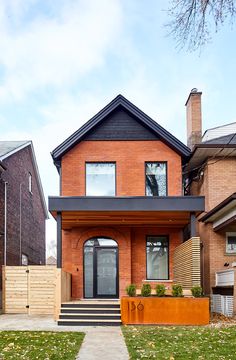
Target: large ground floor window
(157, 251)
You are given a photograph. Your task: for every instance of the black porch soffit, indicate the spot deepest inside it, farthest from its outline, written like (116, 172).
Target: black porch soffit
(121, 104)
(137, 203)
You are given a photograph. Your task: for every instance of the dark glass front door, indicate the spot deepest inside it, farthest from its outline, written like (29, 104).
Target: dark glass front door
(101, 268)
(105, 272)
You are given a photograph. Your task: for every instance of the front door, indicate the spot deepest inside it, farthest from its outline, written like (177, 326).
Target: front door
(101, 268)
(106, 272)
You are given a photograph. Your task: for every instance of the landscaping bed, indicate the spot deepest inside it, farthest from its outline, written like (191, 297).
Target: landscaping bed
(40, 345)
(180, 343)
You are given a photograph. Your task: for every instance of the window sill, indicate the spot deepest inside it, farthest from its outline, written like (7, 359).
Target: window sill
(158, 281)
(230, 254)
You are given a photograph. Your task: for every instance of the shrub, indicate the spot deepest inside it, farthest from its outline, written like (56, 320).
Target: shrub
(197, 291)
(177, 290)
(146, 290)
(160, 290)
(131, 290)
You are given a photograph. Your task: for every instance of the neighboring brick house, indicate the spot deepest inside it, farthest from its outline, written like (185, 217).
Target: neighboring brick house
(22, 206)
(121, 213)
(211, 172)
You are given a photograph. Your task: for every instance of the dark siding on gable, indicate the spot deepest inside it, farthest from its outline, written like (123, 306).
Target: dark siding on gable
(120, 125)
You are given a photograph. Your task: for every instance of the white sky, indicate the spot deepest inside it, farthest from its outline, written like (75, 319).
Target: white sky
(62, 61)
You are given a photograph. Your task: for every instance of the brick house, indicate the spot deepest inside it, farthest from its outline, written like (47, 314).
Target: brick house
(22, 206)
(211, 172)
(121, 212)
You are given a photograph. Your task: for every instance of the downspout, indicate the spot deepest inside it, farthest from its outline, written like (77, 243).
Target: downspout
(5, 225)
(20, 224)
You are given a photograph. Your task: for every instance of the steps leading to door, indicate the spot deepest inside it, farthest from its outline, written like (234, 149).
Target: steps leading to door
(93, 313)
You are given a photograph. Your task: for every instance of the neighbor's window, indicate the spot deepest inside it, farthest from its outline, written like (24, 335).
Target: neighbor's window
(156, 184)
(231, 242)
(24, 259)
(30, 182)
(157, 250)
(100, 179)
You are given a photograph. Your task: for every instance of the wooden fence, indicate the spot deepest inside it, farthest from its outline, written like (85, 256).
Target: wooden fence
(186, 263)
(33, 289)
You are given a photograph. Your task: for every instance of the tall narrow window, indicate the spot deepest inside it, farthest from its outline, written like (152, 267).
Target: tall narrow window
(100, 179)
(157, 250)
(156, 180)
(30, 182)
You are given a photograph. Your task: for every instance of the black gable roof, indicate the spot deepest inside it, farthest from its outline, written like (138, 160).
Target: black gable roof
(120, 120)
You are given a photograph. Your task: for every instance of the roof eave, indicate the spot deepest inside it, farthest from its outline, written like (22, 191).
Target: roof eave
(77, 136)
(207, 216)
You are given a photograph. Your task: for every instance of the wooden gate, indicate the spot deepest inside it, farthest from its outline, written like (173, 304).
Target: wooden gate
(29, 289)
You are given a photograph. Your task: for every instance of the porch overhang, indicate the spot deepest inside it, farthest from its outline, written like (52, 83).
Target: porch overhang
(138, 210)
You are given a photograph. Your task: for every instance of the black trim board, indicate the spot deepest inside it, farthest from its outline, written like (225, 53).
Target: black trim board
(120, 101)
(137, 203)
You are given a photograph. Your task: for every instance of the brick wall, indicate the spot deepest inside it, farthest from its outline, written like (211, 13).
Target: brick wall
(32, 215)
(132, 253)
(217, 183)
(130, 157)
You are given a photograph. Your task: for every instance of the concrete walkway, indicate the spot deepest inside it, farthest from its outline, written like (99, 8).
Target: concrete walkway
(101, 342)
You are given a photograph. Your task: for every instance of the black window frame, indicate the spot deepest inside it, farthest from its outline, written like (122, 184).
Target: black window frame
(145, 174)
(168, 254)
(100, 162)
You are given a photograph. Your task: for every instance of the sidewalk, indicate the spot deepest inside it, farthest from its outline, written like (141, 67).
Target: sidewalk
(106, 343)
(101, 342)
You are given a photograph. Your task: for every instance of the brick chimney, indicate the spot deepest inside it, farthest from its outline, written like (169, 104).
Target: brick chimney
(194, 118)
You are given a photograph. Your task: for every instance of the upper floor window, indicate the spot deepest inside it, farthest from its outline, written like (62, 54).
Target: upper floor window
(156, 180)
(100, 179)
(230, 242)
(30, 182)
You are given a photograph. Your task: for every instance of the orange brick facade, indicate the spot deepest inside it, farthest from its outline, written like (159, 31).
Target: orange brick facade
(132, 253)
(130, 157)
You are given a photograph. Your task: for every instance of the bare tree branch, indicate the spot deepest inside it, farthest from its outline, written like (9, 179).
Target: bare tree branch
(191, 20)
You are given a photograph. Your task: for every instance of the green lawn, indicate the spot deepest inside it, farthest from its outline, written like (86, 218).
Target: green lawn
(174, 343)
(40, 345)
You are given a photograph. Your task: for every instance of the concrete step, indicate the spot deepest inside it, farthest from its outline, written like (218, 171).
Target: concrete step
(90, 310)
(92, 305)
(90, 316)
(88, 322)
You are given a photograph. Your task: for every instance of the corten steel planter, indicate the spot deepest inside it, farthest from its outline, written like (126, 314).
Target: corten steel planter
(165, 310)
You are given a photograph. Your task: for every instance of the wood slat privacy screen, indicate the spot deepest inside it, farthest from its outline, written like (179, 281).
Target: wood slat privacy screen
(186, 263)
(29, 289)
